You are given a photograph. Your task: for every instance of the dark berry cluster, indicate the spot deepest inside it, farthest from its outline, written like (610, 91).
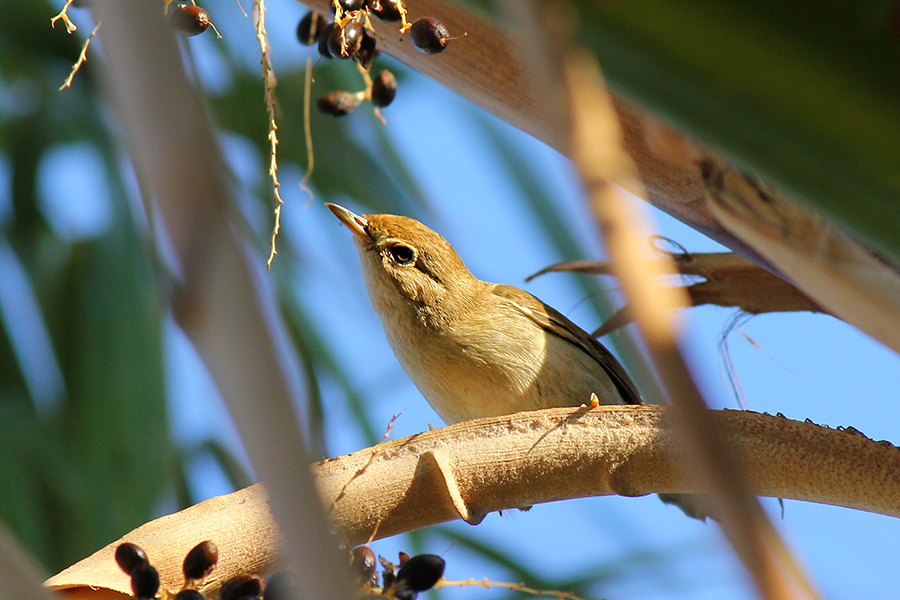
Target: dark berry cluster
(145, 579)
(414, 575)
(350, 36)
(189, 19)
(403, 581)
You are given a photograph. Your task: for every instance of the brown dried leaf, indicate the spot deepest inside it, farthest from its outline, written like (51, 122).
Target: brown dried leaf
(729, 280)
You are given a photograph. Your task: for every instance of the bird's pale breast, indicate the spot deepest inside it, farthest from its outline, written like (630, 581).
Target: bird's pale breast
(489, 367)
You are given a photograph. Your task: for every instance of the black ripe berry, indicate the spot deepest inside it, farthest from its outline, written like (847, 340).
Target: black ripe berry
(129, 557)
(323, 40)
(338, 104)
(351, 5)
(384, 89)
(310, 28)
(189, 20)
(200, 560)
(420, 572)
(386, 10)
(336, 43)
(189, 595)
(429, 35)
(144, 581)
(241, 586)
(353, 37)
(348, 6)
(366, 52)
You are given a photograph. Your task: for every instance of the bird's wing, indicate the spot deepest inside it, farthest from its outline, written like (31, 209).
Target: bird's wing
(555, 323)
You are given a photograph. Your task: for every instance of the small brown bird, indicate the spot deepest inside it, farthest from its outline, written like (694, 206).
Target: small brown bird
(476, 349)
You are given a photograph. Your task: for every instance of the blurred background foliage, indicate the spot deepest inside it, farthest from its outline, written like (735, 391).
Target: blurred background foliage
(87, 451)
(82, 391)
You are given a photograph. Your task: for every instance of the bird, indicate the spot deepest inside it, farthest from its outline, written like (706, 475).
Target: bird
(472, 348)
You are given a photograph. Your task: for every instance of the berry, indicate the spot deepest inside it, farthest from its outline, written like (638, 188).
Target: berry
(353, 37)
(310, 28)
(367, 51)
(421, 572)
(200, 560)
(129, 557)
(348, 6)
(323, 40)
(429, 35)
(386, 10)
(189, 595)
(336, 43)
(345, 42)
(144, 581)
(362, 563)
(338, 104)
(189, 20)
(384, 89)
(241, 586)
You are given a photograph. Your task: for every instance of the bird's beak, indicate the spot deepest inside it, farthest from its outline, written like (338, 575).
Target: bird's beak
(354, 222)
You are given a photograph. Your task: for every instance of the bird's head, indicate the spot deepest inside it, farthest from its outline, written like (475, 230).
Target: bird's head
(406, 264)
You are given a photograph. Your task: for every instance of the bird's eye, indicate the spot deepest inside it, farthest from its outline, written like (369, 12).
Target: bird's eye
(402, 254)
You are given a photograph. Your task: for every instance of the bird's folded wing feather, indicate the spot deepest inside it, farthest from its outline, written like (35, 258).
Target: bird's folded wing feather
(556, 324)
